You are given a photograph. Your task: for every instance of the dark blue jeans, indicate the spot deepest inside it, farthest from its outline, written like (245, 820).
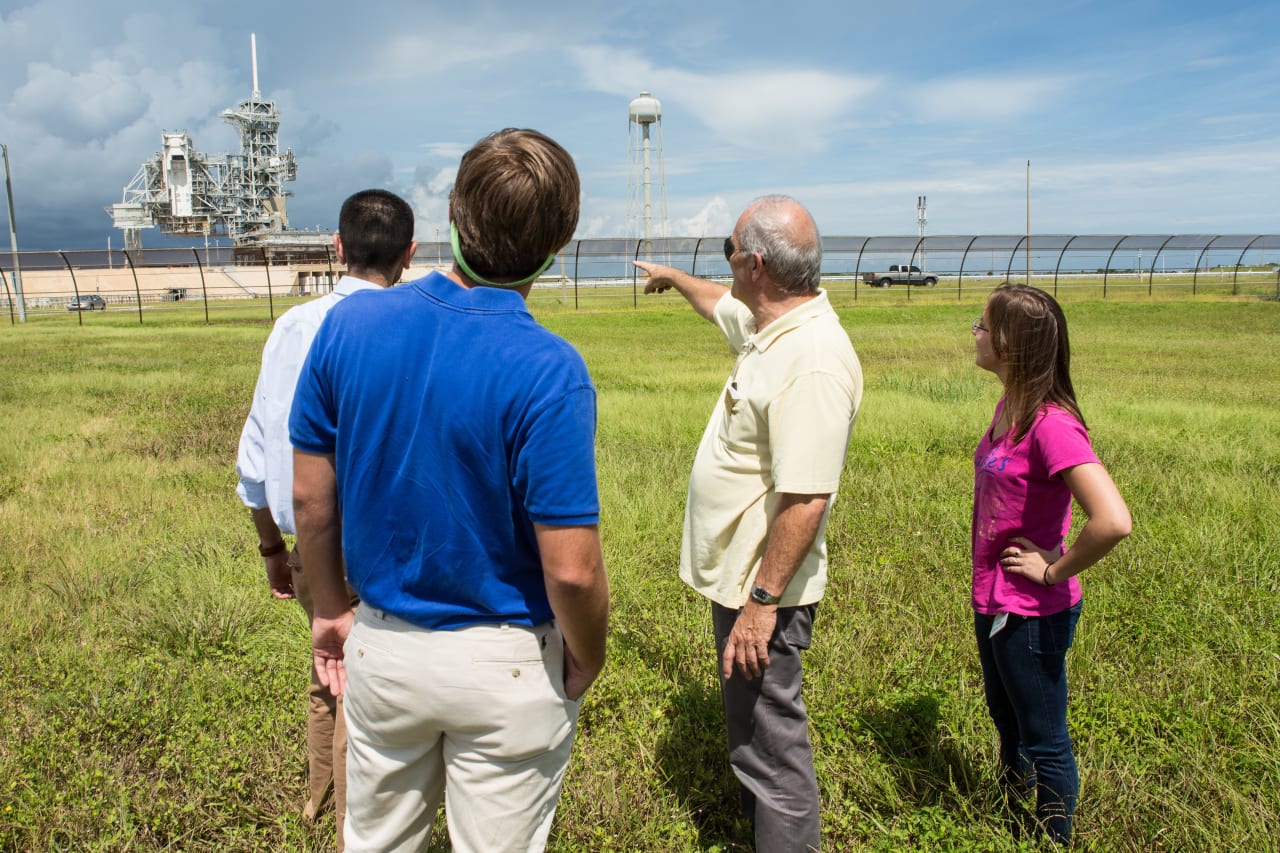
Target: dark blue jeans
(1025, 677)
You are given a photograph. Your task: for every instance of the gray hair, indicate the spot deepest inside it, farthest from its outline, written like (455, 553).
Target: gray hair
(792, 253)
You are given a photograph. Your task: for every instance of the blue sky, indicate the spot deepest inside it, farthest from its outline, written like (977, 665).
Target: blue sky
(1137, 117)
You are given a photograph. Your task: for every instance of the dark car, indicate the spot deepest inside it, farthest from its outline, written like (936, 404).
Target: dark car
(91, 302)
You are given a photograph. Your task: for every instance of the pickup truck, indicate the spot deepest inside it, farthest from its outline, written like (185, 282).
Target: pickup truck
(900, 274)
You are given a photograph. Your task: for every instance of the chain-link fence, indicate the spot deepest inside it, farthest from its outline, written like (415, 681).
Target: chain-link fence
(222, 282)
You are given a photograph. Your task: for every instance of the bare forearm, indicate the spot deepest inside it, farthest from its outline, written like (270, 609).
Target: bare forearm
(791, 536)
(1094, 542)
(315, 509)
(268, 531)
(577, 589)
(1108, 522)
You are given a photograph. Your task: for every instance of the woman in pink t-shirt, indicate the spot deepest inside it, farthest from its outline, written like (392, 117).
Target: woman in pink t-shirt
(1030, 464)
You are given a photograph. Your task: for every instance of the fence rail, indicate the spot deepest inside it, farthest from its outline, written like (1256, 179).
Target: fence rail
(594, 271)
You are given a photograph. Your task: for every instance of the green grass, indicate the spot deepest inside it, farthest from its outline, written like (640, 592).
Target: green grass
(153, 692)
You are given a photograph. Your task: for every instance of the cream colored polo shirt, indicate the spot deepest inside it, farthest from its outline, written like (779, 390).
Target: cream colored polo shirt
(781, 424)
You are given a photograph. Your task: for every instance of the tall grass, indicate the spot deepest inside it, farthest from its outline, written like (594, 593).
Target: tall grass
(153, 693)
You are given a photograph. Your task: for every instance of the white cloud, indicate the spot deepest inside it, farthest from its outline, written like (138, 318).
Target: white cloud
(788, 111)
(714, 218)
(79, 107)
(429, 198)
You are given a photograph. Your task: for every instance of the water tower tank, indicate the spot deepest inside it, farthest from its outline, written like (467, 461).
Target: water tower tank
(646, 109)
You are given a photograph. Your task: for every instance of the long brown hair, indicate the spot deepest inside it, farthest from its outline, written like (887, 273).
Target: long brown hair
(1029, 334)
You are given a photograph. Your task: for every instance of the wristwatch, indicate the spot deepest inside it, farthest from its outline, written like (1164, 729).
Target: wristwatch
(760, 595)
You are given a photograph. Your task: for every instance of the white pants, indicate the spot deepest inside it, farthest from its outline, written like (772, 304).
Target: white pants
(479, 713)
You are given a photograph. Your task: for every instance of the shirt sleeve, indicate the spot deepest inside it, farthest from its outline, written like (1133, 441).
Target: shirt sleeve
(555, 466)
(251, 463)
(734, 320)
(1061, 442)
(313, 421)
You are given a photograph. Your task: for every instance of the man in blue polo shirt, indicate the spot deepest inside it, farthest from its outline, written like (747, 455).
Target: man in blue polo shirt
(444, 444)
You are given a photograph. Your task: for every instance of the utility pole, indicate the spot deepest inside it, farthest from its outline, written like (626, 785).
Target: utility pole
(1028, 222)
(920, 219)
(13, 240)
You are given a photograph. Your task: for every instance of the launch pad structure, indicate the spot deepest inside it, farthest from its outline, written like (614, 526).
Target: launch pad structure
(186, 193)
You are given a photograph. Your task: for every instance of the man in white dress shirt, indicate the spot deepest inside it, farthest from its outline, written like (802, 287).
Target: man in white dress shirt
(375, 242)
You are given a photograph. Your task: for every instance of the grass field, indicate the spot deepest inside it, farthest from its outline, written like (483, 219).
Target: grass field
(152, 692)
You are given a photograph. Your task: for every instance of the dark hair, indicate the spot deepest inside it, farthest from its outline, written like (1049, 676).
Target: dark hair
(1029, 334)
(376, 227)
(788, 243)
(515, 201)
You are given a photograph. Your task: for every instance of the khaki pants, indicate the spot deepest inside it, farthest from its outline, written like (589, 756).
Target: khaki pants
(477, 714)
(326, 727)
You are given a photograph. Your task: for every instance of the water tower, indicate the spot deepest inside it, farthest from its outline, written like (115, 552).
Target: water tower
(644, 115)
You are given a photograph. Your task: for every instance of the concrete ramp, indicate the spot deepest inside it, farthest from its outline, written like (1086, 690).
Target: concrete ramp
(248, 290)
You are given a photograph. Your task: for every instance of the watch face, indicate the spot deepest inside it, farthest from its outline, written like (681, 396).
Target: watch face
(761, 596)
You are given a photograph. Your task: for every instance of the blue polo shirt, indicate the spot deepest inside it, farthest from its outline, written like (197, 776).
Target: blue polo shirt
(456, 423)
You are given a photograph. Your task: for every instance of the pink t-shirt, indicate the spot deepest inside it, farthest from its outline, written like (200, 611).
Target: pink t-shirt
(1017, 492)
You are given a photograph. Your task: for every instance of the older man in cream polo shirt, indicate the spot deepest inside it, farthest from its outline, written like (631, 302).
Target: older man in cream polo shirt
(763, 482)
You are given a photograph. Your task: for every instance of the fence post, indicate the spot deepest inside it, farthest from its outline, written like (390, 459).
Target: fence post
(137, 290)
(577, 253)
(635, 275)
(266, 266)
(204, 291)
(1106, 270)
(857, 265)
(75, 288)
(963, 258)
(8, 296)
(1235, 276)
(1057, 267)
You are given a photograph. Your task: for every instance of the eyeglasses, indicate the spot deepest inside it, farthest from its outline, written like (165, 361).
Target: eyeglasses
(978, 327)
(729, 249)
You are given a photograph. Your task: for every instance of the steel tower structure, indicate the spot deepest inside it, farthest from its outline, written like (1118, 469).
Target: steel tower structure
(189, 194)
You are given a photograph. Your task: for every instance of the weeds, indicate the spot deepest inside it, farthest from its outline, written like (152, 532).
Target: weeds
(154, 693)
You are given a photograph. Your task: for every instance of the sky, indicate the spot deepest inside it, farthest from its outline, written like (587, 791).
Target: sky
(1136, 117)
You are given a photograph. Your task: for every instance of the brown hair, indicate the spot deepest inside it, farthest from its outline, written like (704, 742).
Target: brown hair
(1029, 334)
(515, 201)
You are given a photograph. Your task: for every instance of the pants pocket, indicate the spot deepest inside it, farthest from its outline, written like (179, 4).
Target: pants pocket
(1053, 634)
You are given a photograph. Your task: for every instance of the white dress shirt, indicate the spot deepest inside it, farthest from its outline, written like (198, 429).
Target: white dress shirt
(264, 462)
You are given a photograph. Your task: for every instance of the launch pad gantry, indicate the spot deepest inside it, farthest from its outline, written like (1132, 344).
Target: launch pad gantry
(189, 194)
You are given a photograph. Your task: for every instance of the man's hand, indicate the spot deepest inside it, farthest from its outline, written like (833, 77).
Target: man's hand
(576, 679)
(748, 642)
(660, 278)
(328, 636)
(279, 575)
(701, 294)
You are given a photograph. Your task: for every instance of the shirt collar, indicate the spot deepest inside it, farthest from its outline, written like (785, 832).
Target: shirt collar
(349, 284)
(793, 319)
(439, 286)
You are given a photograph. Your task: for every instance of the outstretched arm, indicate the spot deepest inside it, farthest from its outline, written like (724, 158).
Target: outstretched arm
(702, 294)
